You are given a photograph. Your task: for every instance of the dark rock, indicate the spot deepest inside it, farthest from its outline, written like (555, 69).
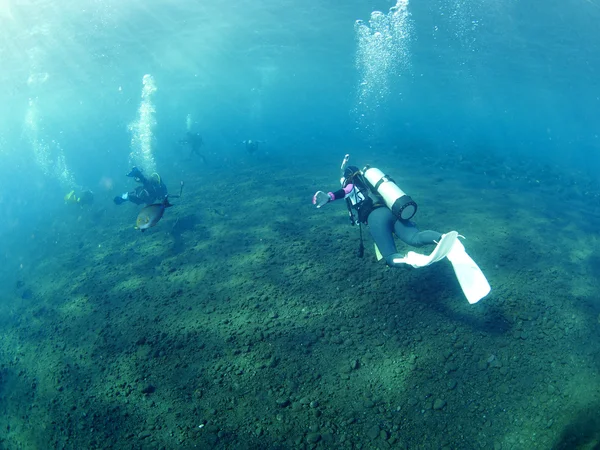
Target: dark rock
(144, 435)
(439, 404)
(313, 438)
(373, 432)
(149, 389)
(282, 402)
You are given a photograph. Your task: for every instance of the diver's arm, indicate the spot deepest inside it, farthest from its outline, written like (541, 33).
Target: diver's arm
(321, 198)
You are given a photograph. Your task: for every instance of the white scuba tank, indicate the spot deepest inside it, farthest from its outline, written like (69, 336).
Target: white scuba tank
(401, 205)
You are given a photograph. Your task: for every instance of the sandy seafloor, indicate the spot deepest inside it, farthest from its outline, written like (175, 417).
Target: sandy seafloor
(245, 320)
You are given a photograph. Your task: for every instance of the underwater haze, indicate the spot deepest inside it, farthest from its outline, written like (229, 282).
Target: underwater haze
(241, 316)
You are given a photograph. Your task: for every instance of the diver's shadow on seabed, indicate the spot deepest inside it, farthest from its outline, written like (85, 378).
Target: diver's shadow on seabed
(582, 432)
(485, 316)
(180, 226)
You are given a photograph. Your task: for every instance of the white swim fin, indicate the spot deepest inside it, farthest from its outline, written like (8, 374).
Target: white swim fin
(377, 253)
(441, 250)
(472, 280)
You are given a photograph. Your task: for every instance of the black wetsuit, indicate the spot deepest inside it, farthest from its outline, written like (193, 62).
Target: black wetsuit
(251, 146)
(195, 142)
(371, 210)
(151, 190)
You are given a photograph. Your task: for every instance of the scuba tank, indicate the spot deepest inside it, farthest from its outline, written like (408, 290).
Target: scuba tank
(401, 205)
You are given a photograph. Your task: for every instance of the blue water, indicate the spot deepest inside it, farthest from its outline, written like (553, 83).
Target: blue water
(517, 77)
(514, 79)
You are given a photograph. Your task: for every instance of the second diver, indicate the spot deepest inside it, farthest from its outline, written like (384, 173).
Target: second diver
(150, 189)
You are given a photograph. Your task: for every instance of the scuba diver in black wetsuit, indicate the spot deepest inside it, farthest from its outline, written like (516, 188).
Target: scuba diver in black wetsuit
(375, 200)
(252, 145)
(195, 142)
(366, 206)
(85, 198)
(150, 190)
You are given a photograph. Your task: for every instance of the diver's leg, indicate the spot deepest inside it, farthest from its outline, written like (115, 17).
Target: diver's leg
(381, 227)
(408, 232)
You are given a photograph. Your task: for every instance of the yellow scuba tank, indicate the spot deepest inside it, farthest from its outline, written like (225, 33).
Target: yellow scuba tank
(401, 205)
(71, 198)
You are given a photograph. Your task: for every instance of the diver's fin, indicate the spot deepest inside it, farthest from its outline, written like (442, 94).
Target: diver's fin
(472, 280)
(441, 250)
(377, 252)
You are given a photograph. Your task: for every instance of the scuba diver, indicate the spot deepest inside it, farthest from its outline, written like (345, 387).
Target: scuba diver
(195, 142)
(151, 188)
(374, 199)
(252, 145)
(86, 197)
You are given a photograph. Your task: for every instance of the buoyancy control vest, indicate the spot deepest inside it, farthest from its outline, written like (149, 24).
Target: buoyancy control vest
(359, 201)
